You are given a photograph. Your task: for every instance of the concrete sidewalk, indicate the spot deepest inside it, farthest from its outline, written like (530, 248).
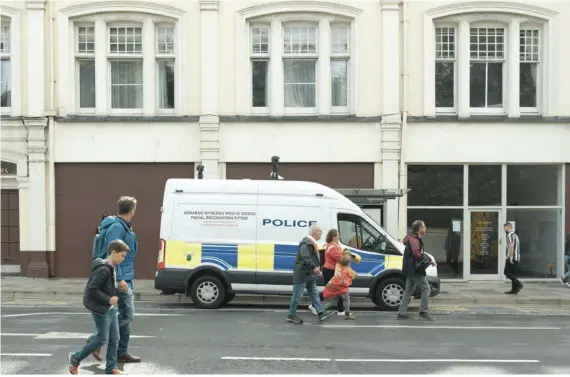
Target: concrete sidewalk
(456, 293)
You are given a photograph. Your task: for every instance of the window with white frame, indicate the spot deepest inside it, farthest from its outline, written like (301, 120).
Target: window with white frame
(340, 55)
(125, 57)
(487, 54)
(445, 69)
(529, 69)
(259, 51)
(300, 66)
(85, 67)
(165, 59)
(5, 65)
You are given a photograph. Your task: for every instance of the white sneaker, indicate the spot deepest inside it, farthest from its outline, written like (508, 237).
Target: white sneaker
(313, 310)
(341, 313)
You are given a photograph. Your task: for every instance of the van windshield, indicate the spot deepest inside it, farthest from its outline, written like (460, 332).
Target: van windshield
(381, 230)
(358, 233)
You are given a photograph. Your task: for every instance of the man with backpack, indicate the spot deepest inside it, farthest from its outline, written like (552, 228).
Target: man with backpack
(119, 228)
(414, 267)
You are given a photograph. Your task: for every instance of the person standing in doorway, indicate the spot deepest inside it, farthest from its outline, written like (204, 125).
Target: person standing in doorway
(305, 275)
(513, 256)
(566, 278)
(414, 268)
(120, 228)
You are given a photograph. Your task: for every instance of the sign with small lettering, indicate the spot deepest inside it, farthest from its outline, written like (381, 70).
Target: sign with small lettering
(9, 168)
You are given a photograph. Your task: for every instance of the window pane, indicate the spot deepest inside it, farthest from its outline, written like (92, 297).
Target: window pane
(259, 40)
(125, 40)
(126, 84)
(339, 39)
(166, 84)
(259, 70)
(477, 84)
(533, 185)
(435, 185)
(5, 38)
(487, 43)
(443, 238)
(528, 76)
(444, 84)
(5, 83)
(85, 39)
(529, 46)
(444, 43)
(495, 85)
(300, 83)
(164, 40)
(86, 83)
(300, 40)
(485, 185)
(339, 78)
(538, 231)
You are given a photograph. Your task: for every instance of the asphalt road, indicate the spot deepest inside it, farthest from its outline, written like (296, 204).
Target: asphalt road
(37, 340)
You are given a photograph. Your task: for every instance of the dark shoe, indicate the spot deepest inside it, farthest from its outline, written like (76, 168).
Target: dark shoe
(324, 315)
(126, 358)
(404, 316)
(510, 292)
(294, 319)
(426, 316)
(349, 316)
(73, 365)
(518, 289)
(97, 353)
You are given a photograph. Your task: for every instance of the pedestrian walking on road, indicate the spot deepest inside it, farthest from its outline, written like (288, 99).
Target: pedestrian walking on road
(333, 254)
(100, 298)
(414, 268)
(513, 256)
(566, 278)
(305, 275)
(338, 287)
(120, 228)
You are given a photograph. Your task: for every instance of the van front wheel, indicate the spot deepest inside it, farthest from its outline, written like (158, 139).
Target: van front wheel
(389, 293)
(208, 292)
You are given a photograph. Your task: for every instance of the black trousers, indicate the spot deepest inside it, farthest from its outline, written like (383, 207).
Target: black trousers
(327, 276)
(511, 273)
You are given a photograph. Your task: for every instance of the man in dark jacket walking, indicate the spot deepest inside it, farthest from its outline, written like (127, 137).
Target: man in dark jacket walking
(101, 299)
(305, 275)
(415, 274)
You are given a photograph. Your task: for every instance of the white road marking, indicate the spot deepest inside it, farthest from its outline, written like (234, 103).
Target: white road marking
(85, 313)
(324, 359)
(64, 335)
(27, 354)
(439, 327)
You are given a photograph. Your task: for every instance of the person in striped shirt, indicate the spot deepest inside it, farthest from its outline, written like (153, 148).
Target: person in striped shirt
(513, 256)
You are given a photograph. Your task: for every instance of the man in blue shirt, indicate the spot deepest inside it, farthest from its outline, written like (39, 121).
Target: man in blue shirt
(119, 228)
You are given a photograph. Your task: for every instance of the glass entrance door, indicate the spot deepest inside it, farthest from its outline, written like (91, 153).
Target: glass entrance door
(484, 245)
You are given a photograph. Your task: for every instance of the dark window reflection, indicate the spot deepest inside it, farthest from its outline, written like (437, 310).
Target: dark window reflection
(477, 84)
(532, 185)
(435, 185)
(528, 79)
(444, 84)
(484, 185)
(259, 82)
(495, 85)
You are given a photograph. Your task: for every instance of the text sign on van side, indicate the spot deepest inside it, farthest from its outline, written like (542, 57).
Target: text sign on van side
(9, 168)
(219, 215)
(289, 223)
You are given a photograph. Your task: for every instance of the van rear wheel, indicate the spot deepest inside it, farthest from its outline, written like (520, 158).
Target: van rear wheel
(208, 292)
(389, 293)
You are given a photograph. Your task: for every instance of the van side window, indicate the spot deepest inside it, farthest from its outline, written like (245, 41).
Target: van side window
(355, 232)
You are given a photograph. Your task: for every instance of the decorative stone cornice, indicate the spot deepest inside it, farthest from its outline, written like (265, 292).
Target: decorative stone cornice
(35, 4)
(491, 6)
(209, 5)
(299, 6)
(8, 11)
(120, 6)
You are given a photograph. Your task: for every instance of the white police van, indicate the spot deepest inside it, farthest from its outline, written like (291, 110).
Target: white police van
(219, 238)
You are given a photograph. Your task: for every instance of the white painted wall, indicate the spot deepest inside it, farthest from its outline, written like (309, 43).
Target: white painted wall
(127, 142)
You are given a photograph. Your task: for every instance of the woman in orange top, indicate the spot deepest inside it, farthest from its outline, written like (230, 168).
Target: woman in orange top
(333, 253)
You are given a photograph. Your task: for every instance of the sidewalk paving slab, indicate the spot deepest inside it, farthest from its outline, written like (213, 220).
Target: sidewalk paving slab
(454, 293)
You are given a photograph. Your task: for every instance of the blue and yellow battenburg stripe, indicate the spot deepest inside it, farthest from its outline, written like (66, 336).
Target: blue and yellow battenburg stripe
(261, 257)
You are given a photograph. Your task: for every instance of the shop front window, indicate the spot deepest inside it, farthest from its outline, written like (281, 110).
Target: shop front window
(435, 185)
(533, 185)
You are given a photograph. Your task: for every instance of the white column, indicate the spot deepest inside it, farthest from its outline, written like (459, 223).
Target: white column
(35, 67)
(324, 92)
(37, 205)
(513, 69)
(101, 69)
(277, 91)
(463, 107)
(149, 93)
(391, 60)
(209, 54)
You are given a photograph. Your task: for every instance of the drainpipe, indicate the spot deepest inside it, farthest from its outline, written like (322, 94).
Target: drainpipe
(403, 184)
(51, 139)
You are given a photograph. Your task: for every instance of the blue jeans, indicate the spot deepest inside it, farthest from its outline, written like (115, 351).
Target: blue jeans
(126, 315)
(299, 289)
(107, 333)
(567, 260)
